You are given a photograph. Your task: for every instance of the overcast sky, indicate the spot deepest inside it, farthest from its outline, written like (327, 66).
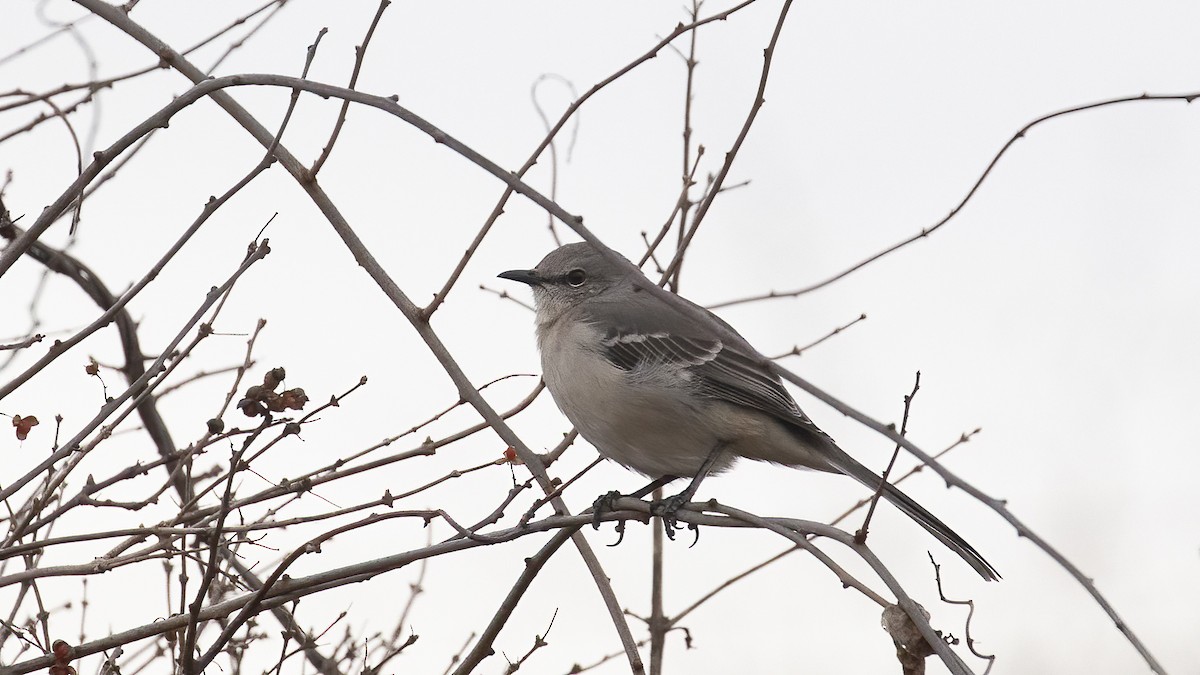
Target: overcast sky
(1058, 311)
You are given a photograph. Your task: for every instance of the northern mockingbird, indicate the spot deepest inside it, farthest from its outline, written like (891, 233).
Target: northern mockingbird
(668, 395)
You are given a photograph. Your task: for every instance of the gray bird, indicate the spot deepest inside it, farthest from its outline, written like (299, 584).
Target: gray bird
(667, 395)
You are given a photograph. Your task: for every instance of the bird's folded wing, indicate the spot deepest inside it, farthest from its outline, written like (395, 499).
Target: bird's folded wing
(715, 370)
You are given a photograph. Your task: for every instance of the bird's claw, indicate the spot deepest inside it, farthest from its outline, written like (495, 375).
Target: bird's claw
(666, 509)
(607, 502)
(620, 534)
(604, 502)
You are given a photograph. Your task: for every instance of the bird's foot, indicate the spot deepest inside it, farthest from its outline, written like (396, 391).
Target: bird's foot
(607, 502)
(667, 508)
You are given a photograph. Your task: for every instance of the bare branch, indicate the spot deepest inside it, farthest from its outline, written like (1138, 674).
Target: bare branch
(925, 232)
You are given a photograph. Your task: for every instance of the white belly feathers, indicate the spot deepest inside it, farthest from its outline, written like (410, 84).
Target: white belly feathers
(630, 420)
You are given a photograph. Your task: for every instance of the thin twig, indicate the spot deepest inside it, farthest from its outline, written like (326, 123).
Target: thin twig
(861, 535)
(926, 231)
(937, 574)
(731, 154)
(679, 30)
(554, 145)
(798, 350)
(360, 54)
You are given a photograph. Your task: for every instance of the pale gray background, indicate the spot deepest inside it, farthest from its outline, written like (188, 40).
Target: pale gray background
(1058, 312)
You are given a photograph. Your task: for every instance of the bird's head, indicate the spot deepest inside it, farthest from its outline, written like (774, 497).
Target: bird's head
(567, 276)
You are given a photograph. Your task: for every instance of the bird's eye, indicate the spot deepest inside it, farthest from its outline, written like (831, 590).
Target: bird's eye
(576, 277)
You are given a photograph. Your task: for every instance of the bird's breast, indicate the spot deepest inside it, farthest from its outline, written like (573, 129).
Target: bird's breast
(645, 419)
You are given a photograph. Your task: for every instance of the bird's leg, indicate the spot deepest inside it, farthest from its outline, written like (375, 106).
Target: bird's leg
(667, 508)
(606, 501)
(654, 485)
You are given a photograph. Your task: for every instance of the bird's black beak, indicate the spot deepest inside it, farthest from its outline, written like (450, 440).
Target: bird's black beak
(524, 276)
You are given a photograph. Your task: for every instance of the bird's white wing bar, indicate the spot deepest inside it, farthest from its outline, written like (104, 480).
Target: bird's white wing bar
(717, 370)
(631, 351)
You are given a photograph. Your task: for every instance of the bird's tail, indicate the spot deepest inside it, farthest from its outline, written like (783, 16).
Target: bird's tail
(848, 465)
